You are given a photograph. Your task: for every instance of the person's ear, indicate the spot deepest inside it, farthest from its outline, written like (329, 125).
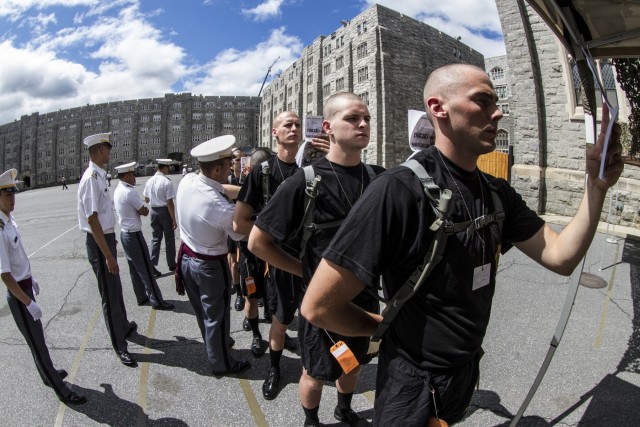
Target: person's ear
(436, 108)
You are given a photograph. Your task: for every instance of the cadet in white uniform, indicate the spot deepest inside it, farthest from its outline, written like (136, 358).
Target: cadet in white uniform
(160, 195)
(21, 286)
(129, 207)
(205, 216)
(97, 219)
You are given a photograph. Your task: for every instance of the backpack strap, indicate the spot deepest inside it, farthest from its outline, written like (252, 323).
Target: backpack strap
(310, 193)
(439, 200)
(266, 170)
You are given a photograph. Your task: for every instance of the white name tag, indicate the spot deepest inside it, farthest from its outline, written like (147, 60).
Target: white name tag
(481, 276)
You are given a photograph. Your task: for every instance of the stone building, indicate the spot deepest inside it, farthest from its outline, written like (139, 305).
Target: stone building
(46, 147)
(549, 134)
(497, 69)
(381, 55)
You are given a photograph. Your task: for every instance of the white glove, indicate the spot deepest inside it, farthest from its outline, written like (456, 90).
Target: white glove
(35, 286)
(34, 309)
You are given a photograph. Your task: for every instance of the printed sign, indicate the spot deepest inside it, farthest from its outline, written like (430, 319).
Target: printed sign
(421, 134)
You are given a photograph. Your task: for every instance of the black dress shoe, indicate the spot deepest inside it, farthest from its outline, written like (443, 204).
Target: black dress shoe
(73, 399)
(258, 347)
(143, 302)
(238, 367)
(63, 374)
(239, 304)
(246, 325)
(156, 273)
(164, 306)
(127, 359)
(270, 385)
(347, 415)
(133, 326)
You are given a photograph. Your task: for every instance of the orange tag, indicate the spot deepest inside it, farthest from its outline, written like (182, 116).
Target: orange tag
(436, 422)
(251, 285)
(344, 356)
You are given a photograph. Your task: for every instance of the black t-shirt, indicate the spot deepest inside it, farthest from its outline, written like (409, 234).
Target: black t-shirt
(252, 193)
(337, 192)
(252, 188)
(387, 233)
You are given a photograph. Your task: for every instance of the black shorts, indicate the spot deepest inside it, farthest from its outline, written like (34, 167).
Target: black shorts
(283, 294)
(404, 398)
(315, 351)
(233, 246)
(250, 265)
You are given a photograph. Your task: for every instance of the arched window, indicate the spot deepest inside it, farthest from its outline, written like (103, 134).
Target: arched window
(607, 77)
(497, 73)
(502, 141)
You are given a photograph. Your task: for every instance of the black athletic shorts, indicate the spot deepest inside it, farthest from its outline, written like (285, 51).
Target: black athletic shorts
(232, 245)
(404, 398)
(250, 265)
(315, 351)
(283, 294)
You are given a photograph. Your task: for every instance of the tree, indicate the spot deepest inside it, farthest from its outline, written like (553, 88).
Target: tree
(628, 75)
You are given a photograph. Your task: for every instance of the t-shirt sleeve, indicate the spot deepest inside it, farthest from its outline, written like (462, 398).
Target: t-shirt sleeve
(282, 215)
(170, 191)
(520, 222)
(251, 190)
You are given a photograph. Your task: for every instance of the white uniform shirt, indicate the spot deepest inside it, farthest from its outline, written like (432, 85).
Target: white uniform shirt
(205, 215)
(13, 258)
(127, 203)
(159, 189)
(93, 196)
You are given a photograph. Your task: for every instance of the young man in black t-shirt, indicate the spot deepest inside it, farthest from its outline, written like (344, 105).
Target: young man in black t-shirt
(343, 179)
(430, 354)
(283, 288)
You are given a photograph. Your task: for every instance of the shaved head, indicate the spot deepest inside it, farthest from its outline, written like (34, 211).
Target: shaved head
(336, 102)
(445, 80)
(281, 118)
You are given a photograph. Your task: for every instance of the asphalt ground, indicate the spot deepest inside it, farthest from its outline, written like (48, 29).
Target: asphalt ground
(592, 381)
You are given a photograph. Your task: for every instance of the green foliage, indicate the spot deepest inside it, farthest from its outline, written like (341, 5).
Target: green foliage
(628, 74)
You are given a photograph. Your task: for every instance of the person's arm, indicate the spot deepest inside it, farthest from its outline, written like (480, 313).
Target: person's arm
(327, 302)
(15, 289)
(242, 218)
(561, 252)
(263, 245)
(172, 213)
(98, 236)
(231, 191)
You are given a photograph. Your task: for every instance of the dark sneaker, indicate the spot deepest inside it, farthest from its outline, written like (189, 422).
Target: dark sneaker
(73, 399)
(246, 326)
(164, 306)
(270, 385)
(126, 359)
(347, 416)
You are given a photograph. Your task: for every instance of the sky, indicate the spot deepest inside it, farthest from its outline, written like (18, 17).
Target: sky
(58, 54)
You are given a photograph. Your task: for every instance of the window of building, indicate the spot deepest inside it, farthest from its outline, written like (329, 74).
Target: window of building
(175, 139)
(607, 77)
(309, 79)
(501, 91)
(310, 60)
(309, 97)
(226, 115)
(340, 84)
(502, 141)
(176, 128)
(197, 104)
(326, 89)
(197, 116)
(497, 73)
(177, 116)
(144, 119)
(156, 140)
(361, 50)
(177, 105)
(326, 69)
(365, 97)
(156, 129)
(505, 109)
(339, 62)
(208, 116)
(113, 121)
(195, 138)
(196, 127)
(127, 119)
(144, 129)
(208, 126)
(363, 74)
(145, 107)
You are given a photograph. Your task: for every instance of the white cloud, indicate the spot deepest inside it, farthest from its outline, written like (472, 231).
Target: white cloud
(132, 60)
(265, 10)
(235, 72)
(477, 21)
(13, 9)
